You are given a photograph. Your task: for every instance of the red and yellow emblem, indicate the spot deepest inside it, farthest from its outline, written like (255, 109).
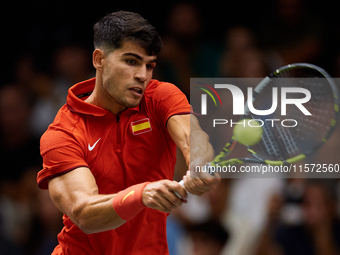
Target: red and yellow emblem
(141, 126)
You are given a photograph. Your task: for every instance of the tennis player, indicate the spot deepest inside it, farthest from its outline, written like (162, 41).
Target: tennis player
(109, 155)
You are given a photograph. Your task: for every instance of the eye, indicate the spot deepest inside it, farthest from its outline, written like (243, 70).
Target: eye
(150, 66)
(130, 62)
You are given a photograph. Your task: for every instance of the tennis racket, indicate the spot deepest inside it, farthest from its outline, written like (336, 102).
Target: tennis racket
(287, 145)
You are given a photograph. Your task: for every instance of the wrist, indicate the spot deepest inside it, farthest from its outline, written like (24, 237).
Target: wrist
(128, 202)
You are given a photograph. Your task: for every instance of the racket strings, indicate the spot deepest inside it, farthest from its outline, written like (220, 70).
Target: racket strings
(280, 142)
(288, 140)
(269, 143)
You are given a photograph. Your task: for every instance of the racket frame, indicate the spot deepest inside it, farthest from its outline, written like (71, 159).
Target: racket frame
(257, 159)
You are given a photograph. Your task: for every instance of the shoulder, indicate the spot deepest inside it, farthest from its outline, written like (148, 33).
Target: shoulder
(159, 91)
(164, 100)
(64, 129)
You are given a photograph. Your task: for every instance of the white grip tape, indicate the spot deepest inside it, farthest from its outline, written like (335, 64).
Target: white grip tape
(182, 184)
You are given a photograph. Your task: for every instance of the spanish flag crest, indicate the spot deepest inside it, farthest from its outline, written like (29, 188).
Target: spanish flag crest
(141, 126)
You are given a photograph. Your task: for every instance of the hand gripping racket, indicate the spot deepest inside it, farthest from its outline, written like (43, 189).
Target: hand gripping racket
(281, 145)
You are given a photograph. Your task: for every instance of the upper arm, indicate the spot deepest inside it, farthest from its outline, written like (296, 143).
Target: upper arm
(62, 152)
(69, 191)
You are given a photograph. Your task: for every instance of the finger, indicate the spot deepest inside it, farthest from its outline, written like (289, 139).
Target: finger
(171, 200)
(207, 178)
(157, 204)
(162, 203)
(157, 195)
(188, 182)
(194, 186)
(161, 207)
(199, 190)
(167, 205)
(211, 181)
(199, 186)
(175, 200)
(168, 195)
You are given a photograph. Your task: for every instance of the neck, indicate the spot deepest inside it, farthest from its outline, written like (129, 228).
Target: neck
(102, 99)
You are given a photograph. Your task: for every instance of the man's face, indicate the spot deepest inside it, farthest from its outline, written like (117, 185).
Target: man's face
(125, 75)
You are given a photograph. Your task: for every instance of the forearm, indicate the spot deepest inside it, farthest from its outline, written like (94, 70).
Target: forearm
(96, 214)
(99, 213)
(190, 138)
(194, 143)
(200, 146)
(76, 195)
(105, 212)
(179, 130)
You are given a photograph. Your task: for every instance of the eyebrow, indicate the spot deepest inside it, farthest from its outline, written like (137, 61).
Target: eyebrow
(139, 57)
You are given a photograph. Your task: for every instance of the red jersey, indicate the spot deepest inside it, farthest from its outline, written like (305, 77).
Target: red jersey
(120, 150)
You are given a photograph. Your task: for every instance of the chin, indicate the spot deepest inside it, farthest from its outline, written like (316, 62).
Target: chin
(132, 104)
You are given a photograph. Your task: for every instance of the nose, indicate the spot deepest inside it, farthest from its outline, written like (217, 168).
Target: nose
(141, 74)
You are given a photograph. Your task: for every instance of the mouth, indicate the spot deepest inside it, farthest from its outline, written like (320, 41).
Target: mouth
(138, 91)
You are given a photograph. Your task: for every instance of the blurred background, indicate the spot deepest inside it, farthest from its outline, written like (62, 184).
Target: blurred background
(46, 47)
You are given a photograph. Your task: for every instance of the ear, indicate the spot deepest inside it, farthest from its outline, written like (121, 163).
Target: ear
(97, 59)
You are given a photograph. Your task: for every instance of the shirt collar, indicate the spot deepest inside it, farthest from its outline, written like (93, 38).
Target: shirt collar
(79, 92)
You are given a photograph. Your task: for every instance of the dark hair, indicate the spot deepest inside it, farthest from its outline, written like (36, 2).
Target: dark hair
(115, 28)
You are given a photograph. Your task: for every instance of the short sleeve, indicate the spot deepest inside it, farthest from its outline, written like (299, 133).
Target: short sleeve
(169, 100)
(61, 154)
